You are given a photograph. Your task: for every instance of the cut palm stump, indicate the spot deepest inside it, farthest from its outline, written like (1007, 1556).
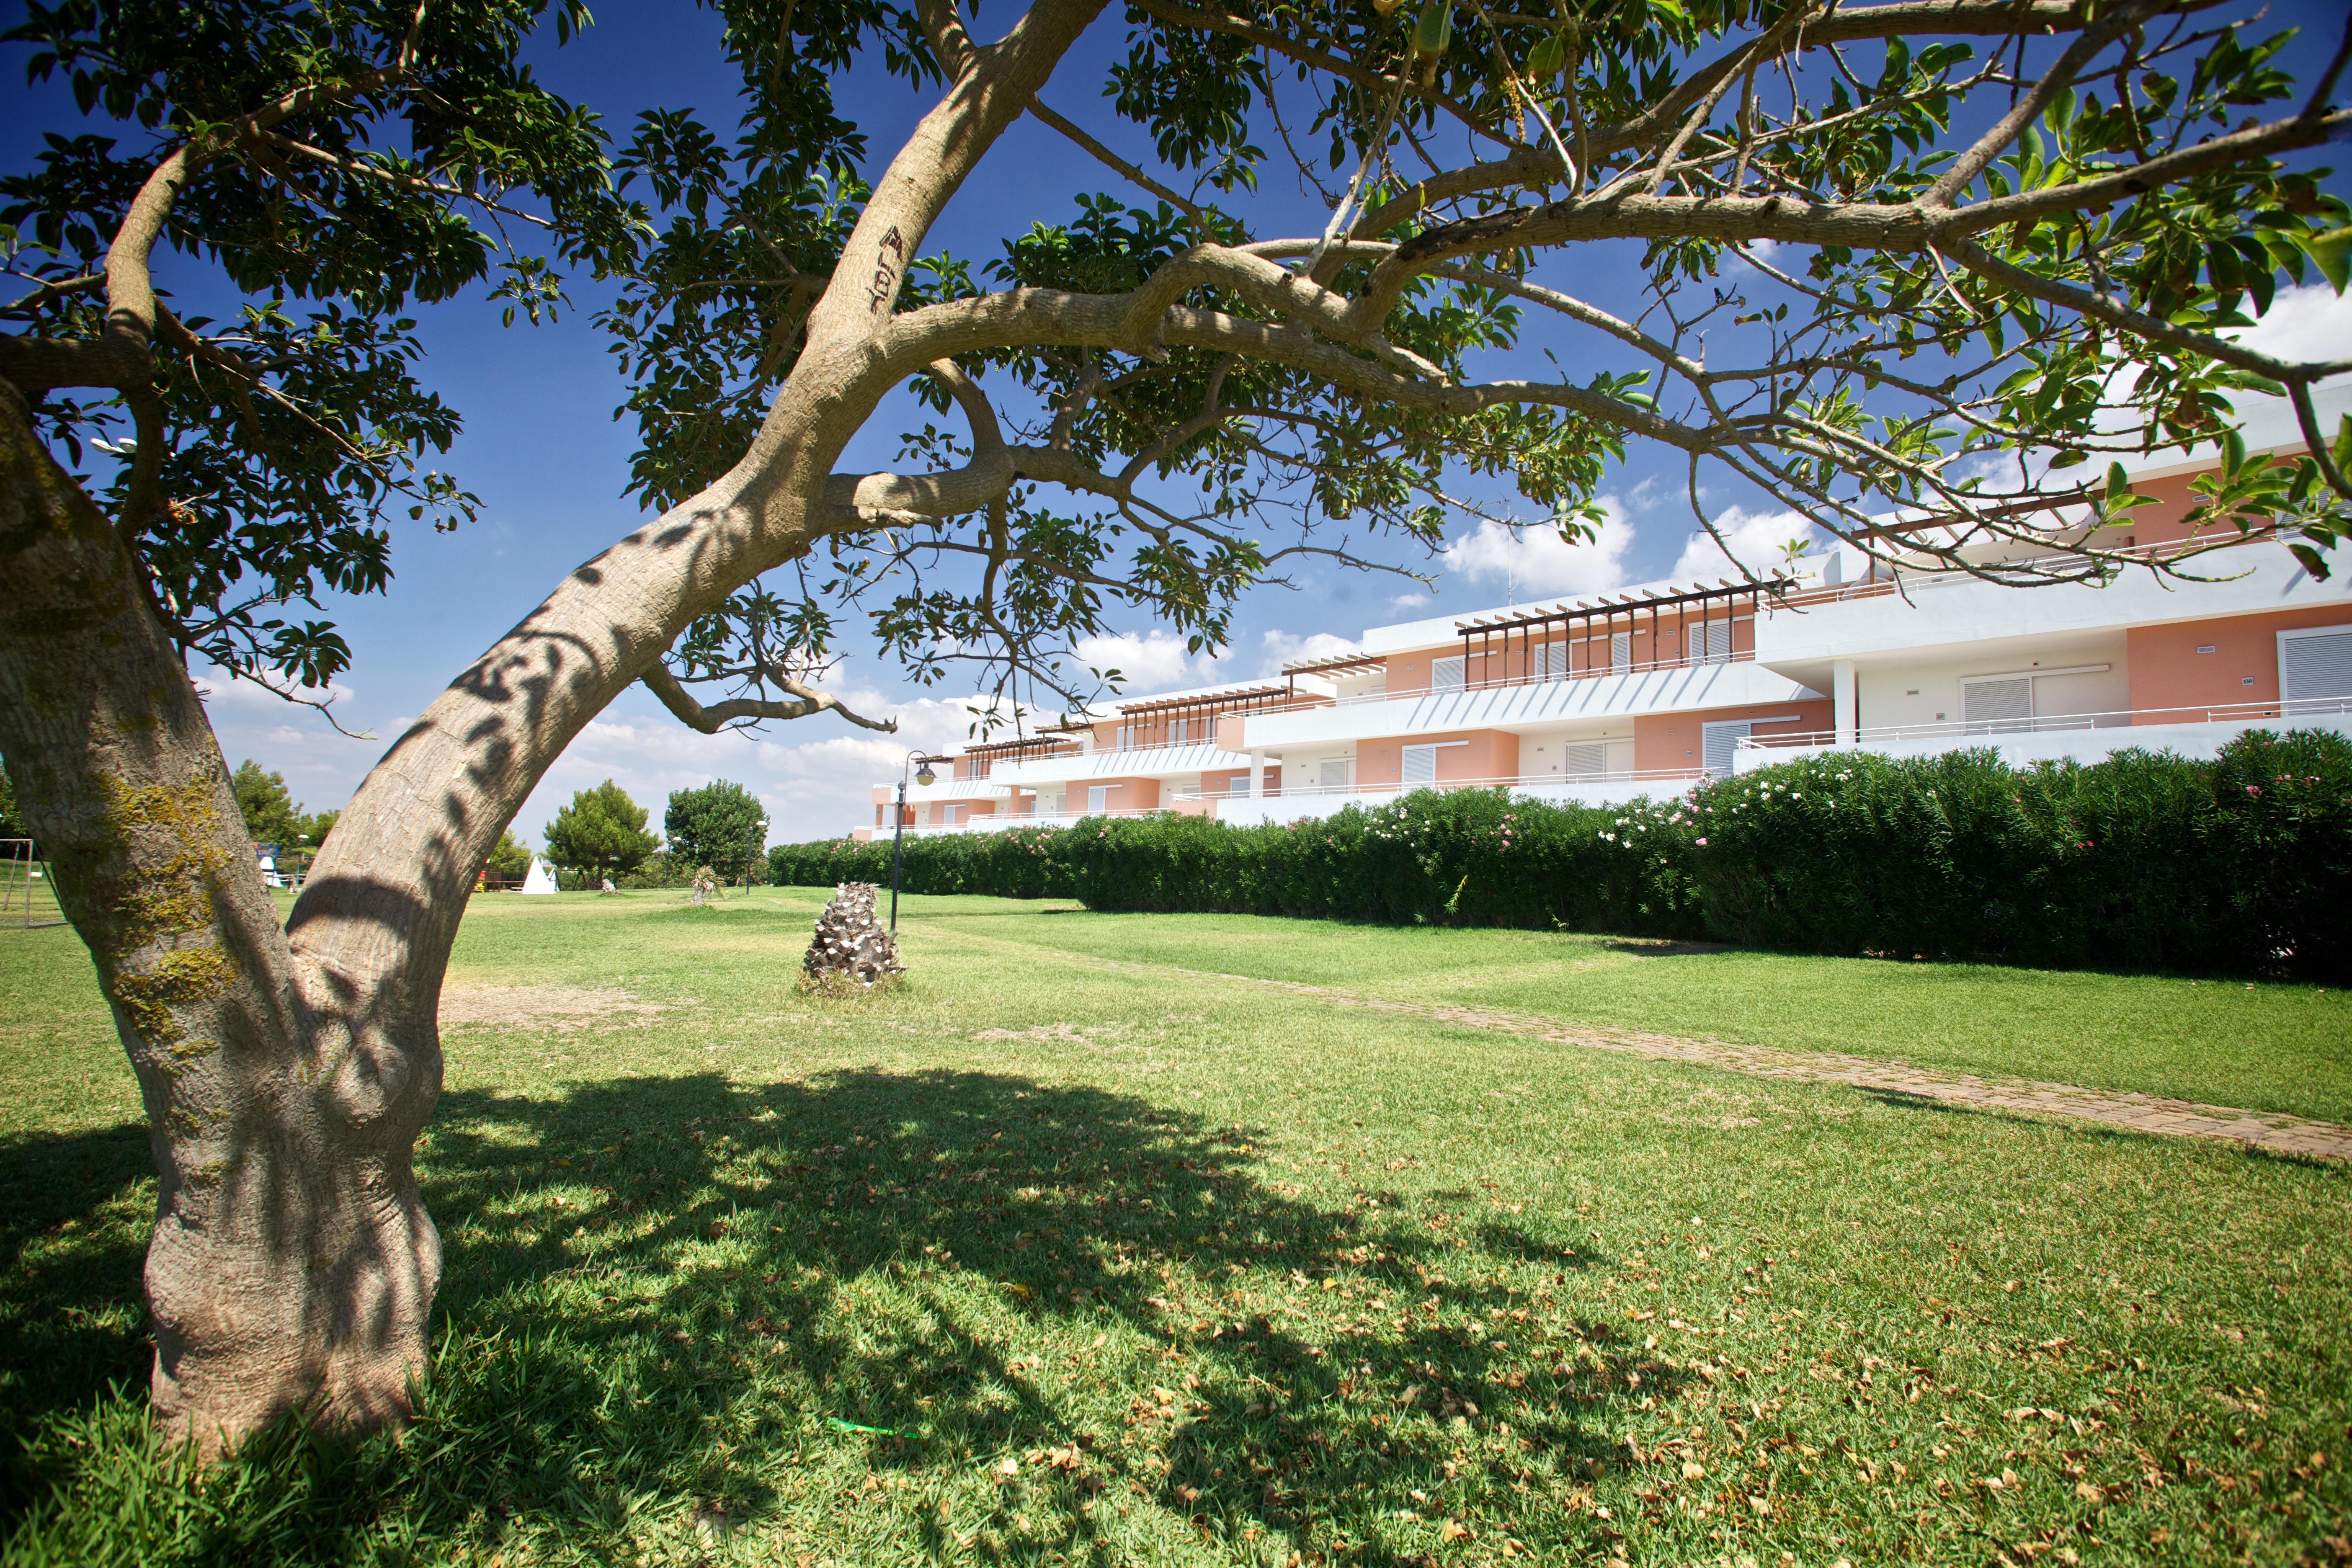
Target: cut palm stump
(850, 941)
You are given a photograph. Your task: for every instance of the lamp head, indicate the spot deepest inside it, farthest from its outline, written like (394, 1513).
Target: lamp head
(924, 776)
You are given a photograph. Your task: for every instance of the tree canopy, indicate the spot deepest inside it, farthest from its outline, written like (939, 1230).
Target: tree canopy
(271, 813)
(510, 861)
(1922, 271)
(1912, 269)
(721, 826)
(602, 832)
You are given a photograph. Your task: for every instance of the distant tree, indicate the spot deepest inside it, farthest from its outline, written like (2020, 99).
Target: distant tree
(510, 861)
(718, 826)
(272, 815)
(11, 827)
(602, 830)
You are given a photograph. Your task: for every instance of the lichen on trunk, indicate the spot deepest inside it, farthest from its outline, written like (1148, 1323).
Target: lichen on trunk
(292, 1264)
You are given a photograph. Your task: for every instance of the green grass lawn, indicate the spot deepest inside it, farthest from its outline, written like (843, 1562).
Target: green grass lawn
(1037, 1259)
(2266, 1047)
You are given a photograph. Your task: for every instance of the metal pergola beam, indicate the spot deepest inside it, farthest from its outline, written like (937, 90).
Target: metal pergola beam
(1532, 628)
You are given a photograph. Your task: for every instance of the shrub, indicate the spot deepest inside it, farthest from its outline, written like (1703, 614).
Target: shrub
(2144, 860)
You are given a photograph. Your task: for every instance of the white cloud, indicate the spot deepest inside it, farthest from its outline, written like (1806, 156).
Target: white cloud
(1534, 563)
(1755, 538)
(1146, 661)
(1407, 601)
(1283, 647)
(2306, 322)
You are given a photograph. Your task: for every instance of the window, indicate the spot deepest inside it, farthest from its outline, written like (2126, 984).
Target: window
(1098, 799)
(1721, 742)
(1420, 765)
(950, 815)
(1445, 674)
(1238, 785)
(2001, 707)
(1621, 650)
(2012, 703)
(1707, 642)
(1337, 771)
(1585, 761)
(2316, 666)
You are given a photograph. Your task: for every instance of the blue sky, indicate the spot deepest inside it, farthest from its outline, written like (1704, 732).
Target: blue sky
(542, 450)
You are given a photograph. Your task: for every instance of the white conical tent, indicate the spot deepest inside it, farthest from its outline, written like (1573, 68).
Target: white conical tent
(539, 882)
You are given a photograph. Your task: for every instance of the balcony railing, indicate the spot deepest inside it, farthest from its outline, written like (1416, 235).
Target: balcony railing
(1501, 682)
(1518, 780)
(1904, 582)
(2048, 723)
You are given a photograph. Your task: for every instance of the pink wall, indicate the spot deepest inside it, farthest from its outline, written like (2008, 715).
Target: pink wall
(2166, 669)
(1220, 782)
(1490, 755)
(1126, 794)
(1669, 742)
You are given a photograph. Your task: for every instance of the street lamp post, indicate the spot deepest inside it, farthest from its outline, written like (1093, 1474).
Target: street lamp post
(759, 830)
(898, 830)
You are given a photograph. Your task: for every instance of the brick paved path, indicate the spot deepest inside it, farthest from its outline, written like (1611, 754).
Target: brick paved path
(2139, 1112)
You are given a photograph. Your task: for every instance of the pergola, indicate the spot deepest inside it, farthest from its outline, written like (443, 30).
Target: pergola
(1492, 638)
(1162, 712)
(986, 754)
(1339, 664)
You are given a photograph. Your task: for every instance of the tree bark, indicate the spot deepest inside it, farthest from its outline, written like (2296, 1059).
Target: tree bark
(292, 1263)
(287, 1070)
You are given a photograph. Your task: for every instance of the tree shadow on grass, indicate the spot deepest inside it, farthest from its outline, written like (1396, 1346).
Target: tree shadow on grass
(671, 1293)
(74, 1212)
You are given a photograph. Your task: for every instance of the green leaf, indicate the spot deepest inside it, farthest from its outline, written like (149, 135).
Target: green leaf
(1545, 60)
(2070, 459)
(2118, 483)
(2333, 252)
(1435, 31)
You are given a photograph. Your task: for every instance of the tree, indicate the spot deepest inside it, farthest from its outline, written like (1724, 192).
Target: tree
(602, 831)
(270, 814)
(1896, 253)
(510, 861)
(721, 826)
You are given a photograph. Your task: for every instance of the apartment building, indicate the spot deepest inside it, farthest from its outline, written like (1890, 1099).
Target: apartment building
(1641, 690)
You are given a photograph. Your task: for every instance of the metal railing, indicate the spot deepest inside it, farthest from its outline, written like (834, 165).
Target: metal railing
(1897, 580)
(1515, 781)
(28, 888)
(2052, 723)
(1498, 683)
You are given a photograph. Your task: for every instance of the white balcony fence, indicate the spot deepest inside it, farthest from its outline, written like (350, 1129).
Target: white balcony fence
(1517, 781)
(2245, 713)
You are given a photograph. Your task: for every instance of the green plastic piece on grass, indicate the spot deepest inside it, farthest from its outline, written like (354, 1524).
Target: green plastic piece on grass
(840, 1425)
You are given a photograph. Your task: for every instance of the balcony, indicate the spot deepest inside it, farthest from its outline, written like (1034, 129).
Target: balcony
(1912, 611)
(1314, 800)
(2194, 731)
(1518, 703)
(1142, 762)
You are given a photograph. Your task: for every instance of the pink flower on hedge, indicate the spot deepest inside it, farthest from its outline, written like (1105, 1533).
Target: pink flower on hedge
(2253, 789)
(1702, 843)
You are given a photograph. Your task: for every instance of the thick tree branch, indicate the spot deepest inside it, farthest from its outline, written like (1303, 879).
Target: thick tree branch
(714, 717)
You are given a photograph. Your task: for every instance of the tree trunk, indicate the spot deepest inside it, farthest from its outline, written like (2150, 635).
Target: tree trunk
(292, 1263)
(287, 1071)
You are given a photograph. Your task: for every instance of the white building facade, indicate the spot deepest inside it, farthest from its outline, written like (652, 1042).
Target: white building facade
(1645, 690)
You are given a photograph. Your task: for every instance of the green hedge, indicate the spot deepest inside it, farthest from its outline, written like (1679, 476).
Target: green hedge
(2146, 860)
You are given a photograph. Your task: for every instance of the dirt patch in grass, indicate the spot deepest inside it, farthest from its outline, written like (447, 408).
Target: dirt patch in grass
(565, 1009)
